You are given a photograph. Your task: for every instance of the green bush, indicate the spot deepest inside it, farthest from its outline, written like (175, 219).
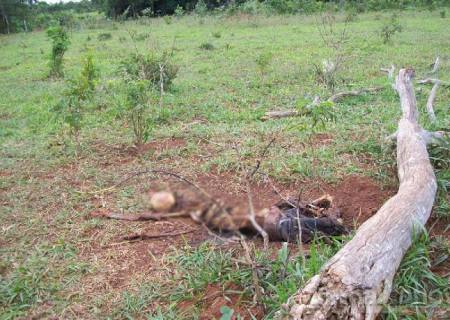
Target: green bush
(390, 28)
(79, 92)
(138, 109)
(207, 46)
(263, 61)
(60, 44)
(201, 8)
(179, 11)
(152, 67)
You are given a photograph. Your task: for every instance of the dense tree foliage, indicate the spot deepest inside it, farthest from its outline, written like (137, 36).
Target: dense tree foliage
(159, 7)
(23, 15)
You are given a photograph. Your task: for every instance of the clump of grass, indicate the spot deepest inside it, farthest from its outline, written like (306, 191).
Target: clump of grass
(104, 36)
(418, 292)
(141, 36)
(440, 157)
(24, 287)
(207, 46)
(216, 34)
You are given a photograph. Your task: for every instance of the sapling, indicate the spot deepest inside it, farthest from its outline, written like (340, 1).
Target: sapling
(390, 28)
(71, 107)
(60, 44)
(138, 109)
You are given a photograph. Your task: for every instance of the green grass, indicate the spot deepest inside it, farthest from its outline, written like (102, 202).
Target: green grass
(52, 259)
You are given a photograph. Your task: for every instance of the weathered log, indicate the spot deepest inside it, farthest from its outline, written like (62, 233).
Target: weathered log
(357, 281)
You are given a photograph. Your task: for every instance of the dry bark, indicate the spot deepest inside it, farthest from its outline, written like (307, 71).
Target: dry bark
(358, 279)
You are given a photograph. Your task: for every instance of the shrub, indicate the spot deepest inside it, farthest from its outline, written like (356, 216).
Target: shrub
(201, 8)
(167, 19)
(207, 46)
(60, 44)
(152, 67)
(179, 11)
(75, 98)
(263, 61)
(138, 109)
(390, 28)
(104, 36)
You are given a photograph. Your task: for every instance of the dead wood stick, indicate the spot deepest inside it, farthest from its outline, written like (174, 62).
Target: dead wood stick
(145, 236)
(341, 95)
(433, 81)
(334, 98)
(255, 279)
(144, 216)
(430, 101)
(390, 71)
(436, 65)
(357, 281)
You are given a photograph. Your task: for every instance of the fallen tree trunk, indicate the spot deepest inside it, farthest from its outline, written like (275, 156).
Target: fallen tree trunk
(357, 281)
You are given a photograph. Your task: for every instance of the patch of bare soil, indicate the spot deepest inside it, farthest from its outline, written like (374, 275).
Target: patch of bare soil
(358, 198)
(215, 297)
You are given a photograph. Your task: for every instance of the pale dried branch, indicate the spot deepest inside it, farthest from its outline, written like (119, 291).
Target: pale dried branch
(433, 81)
(436, 65)
(390, 71)
(339, 96)
(334, 98)
(430, 101)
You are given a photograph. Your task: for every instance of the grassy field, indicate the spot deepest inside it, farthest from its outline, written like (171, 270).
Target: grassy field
(57, 261)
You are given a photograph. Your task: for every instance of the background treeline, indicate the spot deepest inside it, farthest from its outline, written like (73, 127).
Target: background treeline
(26, 15)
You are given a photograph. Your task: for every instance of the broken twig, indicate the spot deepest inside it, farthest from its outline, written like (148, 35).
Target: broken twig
(144, 216)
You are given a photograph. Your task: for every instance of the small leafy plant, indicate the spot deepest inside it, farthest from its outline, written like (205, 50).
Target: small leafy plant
(179, 11)
(80, 90)
(138, 109)
(167, 19)
(207, 46)
(390, 29)
(60, 44)
(263, 61)
(156, 68)
(201, 8)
